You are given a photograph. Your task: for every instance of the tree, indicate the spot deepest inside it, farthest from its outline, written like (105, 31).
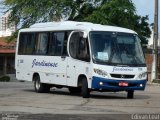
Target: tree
(121, 13)
(107, 12)
(28, 12)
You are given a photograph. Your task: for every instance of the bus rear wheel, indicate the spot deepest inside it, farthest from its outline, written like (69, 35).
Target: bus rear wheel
(130, 94)
(40, 87)
(84, 89)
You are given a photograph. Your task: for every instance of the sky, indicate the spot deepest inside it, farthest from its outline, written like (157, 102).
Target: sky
(144, 7)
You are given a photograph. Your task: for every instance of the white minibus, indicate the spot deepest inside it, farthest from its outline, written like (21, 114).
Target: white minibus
(81, 56)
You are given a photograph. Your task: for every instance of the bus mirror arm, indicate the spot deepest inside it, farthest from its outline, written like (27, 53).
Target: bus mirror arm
(63, 58)
(84, 34)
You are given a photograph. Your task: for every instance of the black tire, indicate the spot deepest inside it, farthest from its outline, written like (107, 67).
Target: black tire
(130, 94)
(84, 89)
(74, 90)
(40, 87)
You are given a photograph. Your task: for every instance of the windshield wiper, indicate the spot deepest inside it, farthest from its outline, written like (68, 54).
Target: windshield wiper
(122, 65)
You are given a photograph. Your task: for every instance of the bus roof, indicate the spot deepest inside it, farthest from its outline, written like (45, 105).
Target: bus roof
(72, 25)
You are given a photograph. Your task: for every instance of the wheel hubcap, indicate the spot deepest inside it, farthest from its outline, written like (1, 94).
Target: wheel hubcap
(37, 84)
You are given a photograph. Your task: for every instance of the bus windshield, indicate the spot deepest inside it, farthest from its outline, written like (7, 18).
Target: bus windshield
(115, 48)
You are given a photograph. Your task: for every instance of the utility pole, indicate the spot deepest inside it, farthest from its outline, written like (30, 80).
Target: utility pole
(154, 74)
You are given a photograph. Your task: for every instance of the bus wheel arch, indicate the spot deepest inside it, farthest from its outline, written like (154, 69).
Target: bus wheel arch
(83, 83)
(80, 78)
(38, 86)
(34, 75)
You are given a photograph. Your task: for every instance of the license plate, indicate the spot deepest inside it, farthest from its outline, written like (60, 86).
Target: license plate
(124, 84)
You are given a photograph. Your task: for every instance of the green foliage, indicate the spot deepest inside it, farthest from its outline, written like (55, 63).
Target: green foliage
(107, 12)
(28, 12)
(115, 12)
(86, 10)
(4, 79)
(121, 13)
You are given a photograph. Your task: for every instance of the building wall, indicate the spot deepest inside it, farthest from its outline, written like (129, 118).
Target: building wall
(149, 59)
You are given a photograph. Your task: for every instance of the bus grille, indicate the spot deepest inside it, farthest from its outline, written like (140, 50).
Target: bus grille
(122, 76)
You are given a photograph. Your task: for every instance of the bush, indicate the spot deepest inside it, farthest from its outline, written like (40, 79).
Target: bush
(4, 79)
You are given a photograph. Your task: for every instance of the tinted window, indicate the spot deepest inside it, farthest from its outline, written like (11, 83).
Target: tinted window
(79, 47)
(59, 43)
(30, 44)
(65, 53)
(56, 43)
(73, 44)
(26, 43)
(41, 44)
(52, 44)
(83, 50)
(22, 43)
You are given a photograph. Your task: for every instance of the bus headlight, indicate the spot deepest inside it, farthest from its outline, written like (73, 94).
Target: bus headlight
(142, 75)
(101, 72)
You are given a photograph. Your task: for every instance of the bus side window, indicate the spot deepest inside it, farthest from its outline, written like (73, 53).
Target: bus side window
(83, 50)
(30, 44)
(26, 43)
(22, 43)
(64, 52)
(59, 43)
(52, 44)
(73, 45)
(56, 43)
(41, 44)
(79, 47)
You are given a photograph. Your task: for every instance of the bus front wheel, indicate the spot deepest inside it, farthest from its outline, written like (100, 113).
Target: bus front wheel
(40, 87)
(130, 94)
(84, 89)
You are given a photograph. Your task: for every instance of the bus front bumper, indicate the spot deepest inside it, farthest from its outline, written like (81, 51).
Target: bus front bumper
(114, 85)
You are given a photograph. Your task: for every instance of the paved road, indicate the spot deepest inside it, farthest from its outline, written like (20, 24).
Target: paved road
(19, 98)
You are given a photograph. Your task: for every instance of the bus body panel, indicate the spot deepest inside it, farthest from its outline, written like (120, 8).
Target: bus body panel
(75, 68)
(113, 85)
(135, 71)
(51, 69)
(115, 75)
